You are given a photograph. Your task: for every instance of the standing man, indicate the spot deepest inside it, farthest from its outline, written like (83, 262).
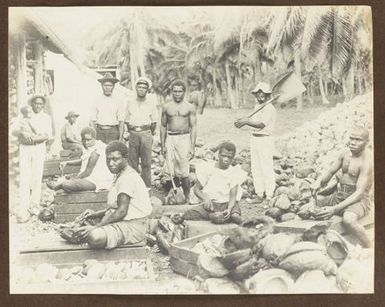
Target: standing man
(178, 135)
(141, 121)
(32, 156)
(261, 142)
(197, 97)
(107, 114)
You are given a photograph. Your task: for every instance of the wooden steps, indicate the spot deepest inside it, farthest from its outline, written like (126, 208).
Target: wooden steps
(68, 206)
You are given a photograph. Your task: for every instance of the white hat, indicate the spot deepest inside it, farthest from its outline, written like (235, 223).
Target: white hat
(143, 80)
(262, 86)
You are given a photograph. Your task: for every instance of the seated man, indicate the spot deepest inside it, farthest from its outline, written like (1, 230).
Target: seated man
(217, 186)
(128, 205)
(70, 135)
(94, 174)
(351, 199)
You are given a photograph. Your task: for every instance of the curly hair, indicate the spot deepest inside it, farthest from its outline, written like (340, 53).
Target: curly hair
(117, 146)
(229, 146)
(88, 130)
(178, 83)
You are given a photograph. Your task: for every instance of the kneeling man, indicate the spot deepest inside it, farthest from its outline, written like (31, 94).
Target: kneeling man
(124, 221)
(351, 199)
(217, 186)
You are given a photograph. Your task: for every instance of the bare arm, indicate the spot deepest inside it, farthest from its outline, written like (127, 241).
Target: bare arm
(324, 178)
(93, 124)
(163, 129)
(364, 183)
(193, 130)
(119, 213)
(90, 165)
(233, 197)
(199, 193)
(121, 130)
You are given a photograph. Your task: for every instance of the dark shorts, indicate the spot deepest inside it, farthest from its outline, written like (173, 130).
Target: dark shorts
(360, 208)
(107, 135)
(199, 213)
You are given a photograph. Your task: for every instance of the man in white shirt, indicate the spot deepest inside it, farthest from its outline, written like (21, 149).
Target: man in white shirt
(107, 113)
(141, 119)
(262, 142)
(31, 163)
(217, 187)
(128, 201)
(70, 135)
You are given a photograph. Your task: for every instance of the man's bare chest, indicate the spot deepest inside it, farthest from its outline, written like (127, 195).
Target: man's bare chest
(351, 166)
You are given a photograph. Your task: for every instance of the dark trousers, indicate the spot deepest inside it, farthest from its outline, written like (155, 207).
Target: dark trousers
(107, 135)
(140, 146)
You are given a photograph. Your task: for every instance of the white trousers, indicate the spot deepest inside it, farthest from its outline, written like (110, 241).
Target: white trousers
(31, 165)
(262, 169)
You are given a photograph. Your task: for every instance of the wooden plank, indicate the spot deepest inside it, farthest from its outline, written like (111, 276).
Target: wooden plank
(299, 226)
(81, 197)
(78, 256)
(181, 249)
(51, 168)
(72, 208)
(49, 242)
(296, 226)
(195, 228)
(185, 268)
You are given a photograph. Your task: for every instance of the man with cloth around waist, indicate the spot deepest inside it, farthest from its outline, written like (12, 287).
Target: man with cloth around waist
(141, 121)
(262, 142)
(107, 113)
(351, 199)
(178, 135)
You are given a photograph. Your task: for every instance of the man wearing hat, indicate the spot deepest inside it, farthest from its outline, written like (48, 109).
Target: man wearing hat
(141, 118)
(70, 135)
(107, 113)
(261, 142)
(32, 156)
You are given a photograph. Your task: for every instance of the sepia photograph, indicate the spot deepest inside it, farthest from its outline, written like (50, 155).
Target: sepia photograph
(191, 150)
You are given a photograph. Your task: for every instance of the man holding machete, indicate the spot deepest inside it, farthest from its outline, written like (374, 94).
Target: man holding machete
(261, 142)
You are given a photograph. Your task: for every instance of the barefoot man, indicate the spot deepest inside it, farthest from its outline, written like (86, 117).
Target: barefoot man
(178, 135)
(351, 200)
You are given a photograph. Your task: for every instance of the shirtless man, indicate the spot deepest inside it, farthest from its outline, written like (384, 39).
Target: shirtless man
(178, 135)
(351, 200)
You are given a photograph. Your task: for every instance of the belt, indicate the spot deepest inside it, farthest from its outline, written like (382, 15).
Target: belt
(138, 128)
(259, 135)
(177, 132)
(105, 127)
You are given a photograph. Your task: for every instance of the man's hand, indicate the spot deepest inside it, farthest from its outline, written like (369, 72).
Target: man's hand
(84, 231)
(208, 205)
(241, 122)
(226, 214)
(191, 153)
(326, 213)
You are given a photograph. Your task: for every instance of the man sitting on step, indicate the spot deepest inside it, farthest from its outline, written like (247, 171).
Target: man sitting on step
(128, 205)
(217, 186)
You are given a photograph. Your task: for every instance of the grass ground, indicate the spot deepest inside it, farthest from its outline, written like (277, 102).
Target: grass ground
(217, 124)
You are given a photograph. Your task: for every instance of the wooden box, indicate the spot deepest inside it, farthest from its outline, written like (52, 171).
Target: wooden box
(68, 206)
